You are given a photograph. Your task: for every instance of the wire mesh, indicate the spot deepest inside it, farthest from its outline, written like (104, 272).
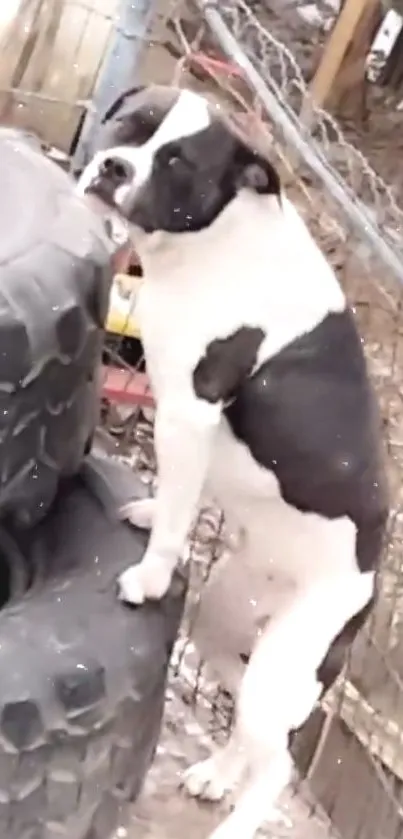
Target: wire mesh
(352, 749)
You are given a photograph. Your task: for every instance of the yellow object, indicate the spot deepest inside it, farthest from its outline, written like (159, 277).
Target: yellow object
(121, 319)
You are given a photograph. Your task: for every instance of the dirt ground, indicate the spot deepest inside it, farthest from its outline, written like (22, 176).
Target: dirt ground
(165, 812)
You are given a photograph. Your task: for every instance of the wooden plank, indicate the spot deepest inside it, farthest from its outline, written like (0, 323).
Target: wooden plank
(361, 799)
(54, 49)
(380, 736)
(335, 50)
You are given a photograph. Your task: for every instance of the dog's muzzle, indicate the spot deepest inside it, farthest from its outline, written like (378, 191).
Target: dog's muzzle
(109, 179)
(116, 172)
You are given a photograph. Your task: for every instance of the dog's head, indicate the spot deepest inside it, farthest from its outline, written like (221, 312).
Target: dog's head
(169, 160)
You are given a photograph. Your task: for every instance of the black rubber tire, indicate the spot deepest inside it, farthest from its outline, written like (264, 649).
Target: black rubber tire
(55, 275)
(82, 677)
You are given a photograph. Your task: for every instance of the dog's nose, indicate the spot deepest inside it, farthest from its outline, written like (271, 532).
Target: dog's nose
(116, 171)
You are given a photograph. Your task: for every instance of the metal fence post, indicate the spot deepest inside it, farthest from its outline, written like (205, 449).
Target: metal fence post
(118, 69)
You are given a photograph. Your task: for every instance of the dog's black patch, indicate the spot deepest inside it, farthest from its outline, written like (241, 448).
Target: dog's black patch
(135, 116)
(309, 415)
(195, 177)
(226, 362)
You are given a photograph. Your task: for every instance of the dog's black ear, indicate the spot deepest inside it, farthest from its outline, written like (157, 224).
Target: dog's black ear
(117, 104)
(253, 170)
(260, 175)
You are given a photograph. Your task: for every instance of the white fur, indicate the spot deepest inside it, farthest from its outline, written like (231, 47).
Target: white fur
(258, 265)
(245, 258)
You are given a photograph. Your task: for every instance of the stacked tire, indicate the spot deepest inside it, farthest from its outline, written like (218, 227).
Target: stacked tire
(55, 275)
(81, 676)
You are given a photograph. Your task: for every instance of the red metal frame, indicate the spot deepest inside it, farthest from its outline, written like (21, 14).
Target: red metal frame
(217, 65)
(126, 387)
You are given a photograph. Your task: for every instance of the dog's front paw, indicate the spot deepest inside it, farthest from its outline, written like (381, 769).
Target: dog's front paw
(139, 513)
(149, 580)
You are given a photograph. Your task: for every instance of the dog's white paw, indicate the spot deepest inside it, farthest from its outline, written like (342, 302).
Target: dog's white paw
(203, 780)
(131, 586)
(139, 513)
(149, 580)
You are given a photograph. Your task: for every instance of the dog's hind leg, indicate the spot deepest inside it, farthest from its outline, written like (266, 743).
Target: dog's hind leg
(279, 690)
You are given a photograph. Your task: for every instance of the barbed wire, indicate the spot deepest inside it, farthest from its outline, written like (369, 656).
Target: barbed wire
(198, 57)
(365, 201)
(280, 69)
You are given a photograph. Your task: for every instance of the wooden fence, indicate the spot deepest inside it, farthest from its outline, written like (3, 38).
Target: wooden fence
(50, 54)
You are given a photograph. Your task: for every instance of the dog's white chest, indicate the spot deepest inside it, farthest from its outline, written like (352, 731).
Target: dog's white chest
(177, 321)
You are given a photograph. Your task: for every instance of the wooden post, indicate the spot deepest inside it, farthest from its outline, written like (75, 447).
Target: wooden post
(349, 92)
(354, 16)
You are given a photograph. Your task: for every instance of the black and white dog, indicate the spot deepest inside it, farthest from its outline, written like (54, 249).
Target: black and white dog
(263, 402)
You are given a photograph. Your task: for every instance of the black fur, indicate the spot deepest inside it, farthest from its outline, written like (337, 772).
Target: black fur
(309, 415)
(226, 363)
(194, 178)
(135, 116)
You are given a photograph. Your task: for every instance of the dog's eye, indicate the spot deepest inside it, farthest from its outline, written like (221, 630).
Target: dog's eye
(173, 160)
